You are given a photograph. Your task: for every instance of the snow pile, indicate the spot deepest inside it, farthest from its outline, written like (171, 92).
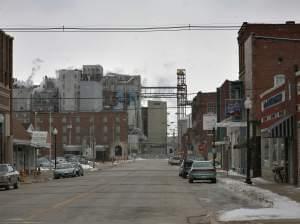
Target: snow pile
(86, 166)
(261, 180)
(275, 206)
(139, 158)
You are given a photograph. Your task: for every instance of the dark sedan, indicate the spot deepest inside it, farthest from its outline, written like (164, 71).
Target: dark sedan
(8, 176)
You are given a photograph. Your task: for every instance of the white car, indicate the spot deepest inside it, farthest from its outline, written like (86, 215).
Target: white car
(175, 160)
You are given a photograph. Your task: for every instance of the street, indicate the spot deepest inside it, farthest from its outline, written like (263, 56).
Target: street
(146, 191)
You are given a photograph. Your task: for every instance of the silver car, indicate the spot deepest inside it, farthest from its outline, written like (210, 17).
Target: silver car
(9, 176)
(64, 170)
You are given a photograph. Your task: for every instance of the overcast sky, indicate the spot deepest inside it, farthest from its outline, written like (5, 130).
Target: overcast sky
(209, 57)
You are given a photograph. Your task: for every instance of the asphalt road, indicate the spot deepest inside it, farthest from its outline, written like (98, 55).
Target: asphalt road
(141, 192)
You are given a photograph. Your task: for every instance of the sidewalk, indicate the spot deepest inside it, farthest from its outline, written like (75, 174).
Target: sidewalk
(286, 190)
(280, 203)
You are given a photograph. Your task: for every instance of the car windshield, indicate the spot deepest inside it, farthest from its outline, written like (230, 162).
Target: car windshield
(203, 164)
(3, 168)
(64, 166)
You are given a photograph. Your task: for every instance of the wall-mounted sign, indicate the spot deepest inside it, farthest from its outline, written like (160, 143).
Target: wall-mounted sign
(209, 121)
(273, 100)
(39, 139)
(233, 107)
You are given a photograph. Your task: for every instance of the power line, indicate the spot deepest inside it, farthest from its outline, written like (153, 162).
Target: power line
(63, 28)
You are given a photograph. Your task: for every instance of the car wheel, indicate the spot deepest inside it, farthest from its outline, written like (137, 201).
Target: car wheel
(184, 176)
(214, 181)
(7, 187)
(16, 185)
(191, 180)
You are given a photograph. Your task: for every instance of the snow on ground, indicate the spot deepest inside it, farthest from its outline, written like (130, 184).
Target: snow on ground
(140, 158)
(261, 181)
(86, 166)
(274, 205)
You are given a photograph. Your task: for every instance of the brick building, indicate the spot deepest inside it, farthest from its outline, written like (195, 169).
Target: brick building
(6, 69)
(231, 131)
(203, 104)
(269, 55)
(77, 130)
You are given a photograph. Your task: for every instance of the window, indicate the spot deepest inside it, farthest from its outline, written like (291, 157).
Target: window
(64, 139)
(78, 119)
(266, 149)
(104, 139)
(64, 130)
(118, 129)
(78, 139)
(78, 130)
(91, 119)
(104, 119)
(279, 80)
(64, 120)
(105, 129)
(211, 107)
(117, 119)
(298, 107)
(298, 88)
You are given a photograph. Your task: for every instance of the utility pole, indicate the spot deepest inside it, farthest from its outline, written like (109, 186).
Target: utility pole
(50, 132)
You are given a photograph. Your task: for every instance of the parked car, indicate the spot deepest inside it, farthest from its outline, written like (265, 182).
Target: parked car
(185, 167)
(202, 170)
(175, 160)
(61, 160)
(44, 162)
(9, 176)
(79, 169)
(64, 170)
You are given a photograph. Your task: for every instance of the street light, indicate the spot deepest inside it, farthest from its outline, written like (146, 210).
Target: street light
(248, 106)
(54, 133)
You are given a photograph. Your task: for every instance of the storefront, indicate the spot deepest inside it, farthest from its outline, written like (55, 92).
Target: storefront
(277, 148)
(277, 132)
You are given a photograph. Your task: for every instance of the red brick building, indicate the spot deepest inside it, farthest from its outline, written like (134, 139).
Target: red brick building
(203, 104)
(269, 55)
(6, 67)
(106, 132)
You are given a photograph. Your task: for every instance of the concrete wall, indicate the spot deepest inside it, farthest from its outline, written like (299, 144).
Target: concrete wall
(93, 90)
(157, 124)
(68, 85)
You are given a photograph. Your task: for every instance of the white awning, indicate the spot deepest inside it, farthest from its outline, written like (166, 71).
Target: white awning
(231, 124)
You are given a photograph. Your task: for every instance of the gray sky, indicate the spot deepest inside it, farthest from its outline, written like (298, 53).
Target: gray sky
(209, 57)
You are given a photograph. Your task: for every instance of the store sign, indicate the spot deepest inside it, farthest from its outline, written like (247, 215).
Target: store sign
(209, 121)
(233, 107)
(273, 100)
(39, 139)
